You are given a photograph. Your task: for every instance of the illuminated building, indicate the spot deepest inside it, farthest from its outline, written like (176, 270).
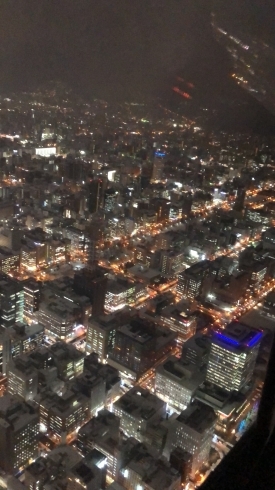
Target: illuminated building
(137, 409)
(60, 318)
(177, 319)
(102, 433)
(35, 240)
(57, 251)
(19, 427)
(158, 166)
(100, 336)
(190, 281)
(64, 467)
(115, 227)
(80, 241)
(45, 152)
(161, 207)
(95, 195)
(19, 339)
(86, 476)
(268, 238)
(171, 262)
(139, 345)
(11, 301)
(93, 386)
(31, 299)
(52, 469)
(176, 382)
(22, 378)
(108, 373)
(110, 200)
(9, 261)
(28, 258)
(143, 470)
(68, 360)
(120, 292)
(63, 415)
(232, 356)
(192, 431)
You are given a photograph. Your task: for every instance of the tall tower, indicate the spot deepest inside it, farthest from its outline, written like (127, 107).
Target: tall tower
(232, 356)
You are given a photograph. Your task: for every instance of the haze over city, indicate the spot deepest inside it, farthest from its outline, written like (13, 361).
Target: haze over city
(137, 245)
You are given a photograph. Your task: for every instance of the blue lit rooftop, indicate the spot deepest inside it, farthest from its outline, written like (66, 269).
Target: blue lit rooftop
(239, 335)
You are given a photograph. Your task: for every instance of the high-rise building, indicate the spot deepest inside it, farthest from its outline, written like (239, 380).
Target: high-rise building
(177, 319)
(139, 345)
(100, 336)
(11, 301)
(233, 356)
(176, 382)
(102, 433)
(17, 340)
(196, 350)
(31, 299)
(158, 166)
(110, 200)
(63, 415)
(92, 283)
(9, 261)
(137, 409)
(95, 195)
(192, 431)
(19, 429)
(190, 281)
(22, 378)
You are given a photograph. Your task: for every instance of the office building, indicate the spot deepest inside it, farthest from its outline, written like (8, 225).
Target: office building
(11, 301)
(94, 387)
(137, 409)
(190, 281)
(158, 166)
(92, 282)
(177, 318)
(9, 261)
(60, 318)
(32, 295)
(22, 378)
(192, 431)
(19, 339)
(100, 336)
(63, 415)
(52, 469)
(232, 356)
(139, 345)
(64, 467)
(68, 360)
(143, 470)
(107, 373)
(95, 195)
(19, 428)
(120, 292)
(176, 382)
(102, 433)
(196, 350)
(110, 200)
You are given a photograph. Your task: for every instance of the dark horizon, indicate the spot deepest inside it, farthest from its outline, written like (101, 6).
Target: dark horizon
(116, 50)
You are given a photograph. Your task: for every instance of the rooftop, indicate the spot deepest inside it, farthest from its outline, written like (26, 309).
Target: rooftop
(198, 417)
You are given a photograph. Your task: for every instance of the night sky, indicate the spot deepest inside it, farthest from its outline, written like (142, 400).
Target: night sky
(117, 49)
